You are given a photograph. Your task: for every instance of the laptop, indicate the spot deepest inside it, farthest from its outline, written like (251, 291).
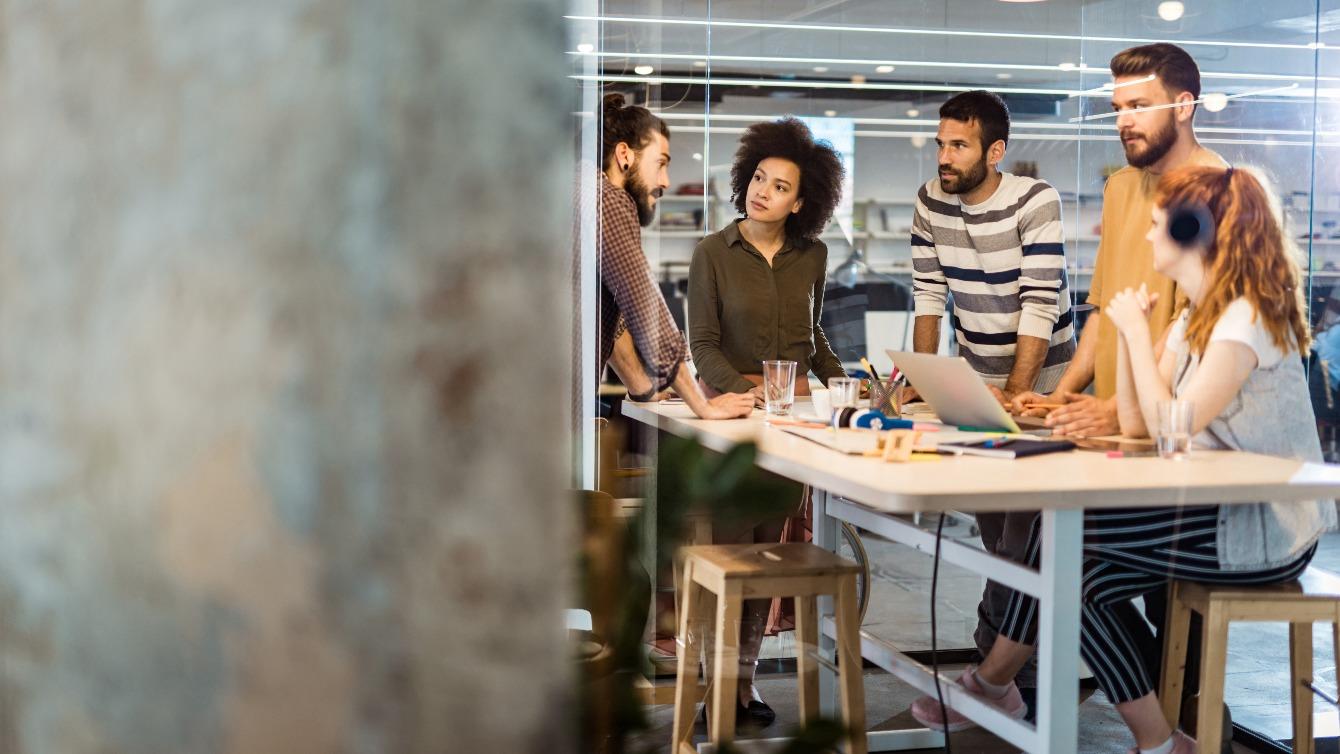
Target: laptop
(954, 390)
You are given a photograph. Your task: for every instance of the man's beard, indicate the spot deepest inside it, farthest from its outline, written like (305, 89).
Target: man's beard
(962, 182)
(1157, 146)
(642, 194)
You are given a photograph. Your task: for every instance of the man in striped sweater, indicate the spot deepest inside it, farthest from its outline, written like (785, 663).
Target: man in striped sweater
(993, 242)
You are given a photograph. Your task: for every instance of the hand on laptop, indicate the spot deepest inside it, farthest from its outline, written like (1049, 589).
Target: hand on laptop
(1084, 416)
(999, 395)
(907, 394)
(1022, 404)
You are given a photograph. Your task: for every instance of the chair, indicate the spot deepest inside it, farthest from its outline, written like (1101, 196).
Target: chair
(1313, 597)
(733, 573)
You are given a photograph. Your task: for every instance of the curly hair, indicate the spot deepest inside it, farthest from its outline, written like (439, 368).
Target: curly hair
(821, 172)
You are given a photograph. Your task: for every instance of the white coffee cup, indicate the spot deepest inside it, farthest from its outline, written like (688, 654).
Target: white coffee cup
(823, 404)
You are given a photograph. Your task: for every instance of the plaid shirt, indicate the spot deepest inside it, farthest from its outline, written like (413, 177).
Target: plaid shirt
(629, 298)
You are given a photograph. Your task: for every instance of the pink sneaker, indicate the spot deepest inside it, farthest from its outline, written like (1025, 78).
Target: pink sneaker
(928, 712)
(1182, 744)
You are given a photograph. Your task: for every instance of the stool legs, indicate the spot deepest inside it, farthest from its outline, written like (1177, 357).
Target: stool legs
(726, 674)
(1214, 659)
(1176, 630)
(807, 668)
(688, 652)
(849, 665)
(1300, 673)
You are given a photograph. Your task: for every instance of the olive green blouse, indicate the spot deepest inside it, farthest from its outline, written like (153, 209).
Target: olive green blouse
(743, 311)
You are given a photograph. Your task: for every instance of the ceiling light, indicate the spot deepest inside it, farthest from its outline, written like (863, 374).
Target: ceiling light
(1067, 66)
(883, 69)
(1215, 101)
(1171, 10)
(918, 142)
(700, 64)
(830, 113)
(643, 70)
(698, 156)
(821, 69)
(585, 47)
(857, 79)
(913, 113)
(1004, 76)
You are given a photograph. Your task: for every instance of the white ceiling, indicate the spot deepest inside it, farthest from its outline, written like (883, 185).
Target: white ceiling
(1123, 22)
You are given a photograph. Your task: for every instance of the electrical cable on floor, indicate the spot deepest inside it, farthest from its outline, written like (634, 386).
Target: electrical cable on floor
(935, 660)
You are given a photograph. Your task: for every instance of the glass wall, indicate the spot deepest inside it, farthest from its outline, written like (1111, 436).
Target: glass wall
(879, 72)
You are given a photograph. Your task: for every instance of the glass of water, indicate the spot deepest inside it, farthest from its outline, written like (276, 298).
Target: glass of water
(779, 386)
(844, 391)
(1173, 434)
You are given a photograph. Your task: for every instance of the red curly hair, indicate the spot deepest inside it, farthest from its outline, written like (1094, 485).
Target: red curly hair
(1249, 257)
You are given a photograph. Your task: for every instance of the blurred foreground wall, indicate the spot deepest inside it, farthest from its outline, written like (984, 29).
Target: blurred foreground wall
(281, 347)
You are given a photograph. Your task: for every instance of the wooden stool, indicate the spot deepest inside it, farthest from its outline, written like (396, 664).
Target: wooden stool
(1314, 597)
(734, 573)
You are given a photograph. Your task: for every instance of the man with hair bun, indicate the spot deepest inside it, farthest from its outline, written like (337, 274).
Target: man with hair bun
(637, 336)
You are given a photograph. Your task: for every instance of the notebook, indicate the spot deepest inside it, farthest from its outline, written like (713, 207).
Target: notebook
(1011, 447)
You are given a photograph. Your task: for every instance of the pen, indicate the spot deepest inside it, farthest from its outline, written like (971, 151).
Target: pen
(866, 363)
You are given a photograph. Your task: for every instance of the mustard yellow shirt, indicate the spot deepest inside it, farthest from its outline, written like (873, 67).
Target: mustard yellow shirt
(1126, 259)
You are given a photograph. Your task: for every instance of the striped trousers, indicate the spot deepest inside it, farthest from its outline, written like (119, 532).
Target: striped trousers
(1129, 553)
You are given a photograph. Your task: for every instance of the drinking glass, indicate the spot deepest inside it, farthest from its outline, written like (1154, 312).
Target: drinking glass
(823, 403)
(779, 386)
(1173, 435)
(844, 391)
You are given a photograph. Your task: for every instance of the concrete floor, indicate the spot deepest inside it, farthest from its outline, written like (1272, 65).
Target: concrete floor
(1257, 681)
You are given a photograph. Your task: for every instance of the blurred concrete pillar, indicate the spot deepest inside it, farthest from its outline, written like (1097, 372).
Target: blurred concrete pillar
(282, 348)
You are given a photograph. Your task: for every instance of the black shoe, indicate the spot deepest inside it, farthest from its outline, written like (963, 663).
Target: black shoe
(757, 714)
(1030, 704)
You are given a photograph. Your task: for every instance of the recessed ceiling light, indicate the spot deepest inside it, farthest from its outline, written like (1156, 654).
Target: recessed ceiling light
(913, 113)
(585, 47)
(857, 79)
(830, 113)
(1215, 101)
(1067, 66)
(1004, 76)
(700, 64)
(821, 69)
(883, 69)
(643, 70)
(698, 156)
(1171, 10)
(918, 142)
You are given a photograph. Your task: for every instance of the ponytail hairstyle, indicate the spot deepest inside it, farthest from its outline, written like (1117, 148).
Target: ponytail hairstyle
(1249, 256)
(631, 124)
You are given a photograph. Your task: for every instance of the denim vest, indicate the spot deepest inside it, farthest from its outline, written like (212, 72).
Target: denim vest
(1271, 415)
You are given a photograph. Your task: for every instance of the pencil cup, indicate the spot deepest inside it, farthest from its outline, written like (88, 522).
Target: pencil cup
(883, 398)
(779, 386)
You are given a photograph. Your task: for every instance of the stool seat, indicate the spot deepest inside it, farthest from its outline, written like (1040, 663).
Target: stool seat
(770, 559)
(734, 573)
(1314, 597)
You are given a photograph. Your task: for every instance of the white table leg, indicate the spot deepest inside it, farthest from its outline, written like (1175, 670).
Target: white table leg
(825, 530)
(1058, 630)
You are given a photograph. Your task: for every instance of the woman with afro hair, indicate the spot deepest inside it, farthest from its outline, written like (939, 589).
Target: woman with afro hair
(756, 290)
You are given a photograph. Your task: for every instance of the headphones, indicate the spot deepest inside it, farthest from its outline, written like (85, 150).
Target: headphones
(1192, 225)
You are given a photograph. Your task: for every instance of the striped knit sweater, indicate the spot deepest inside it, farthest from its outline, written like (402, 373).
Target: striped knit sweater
(1003, 261)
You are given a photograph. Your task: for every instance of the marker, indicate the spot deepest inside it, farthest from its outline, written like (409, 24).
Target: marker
(873, 374)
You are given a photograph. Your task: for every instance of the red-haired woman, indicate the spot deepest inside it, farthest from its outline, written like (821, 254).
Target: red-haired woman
(1235, 354)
